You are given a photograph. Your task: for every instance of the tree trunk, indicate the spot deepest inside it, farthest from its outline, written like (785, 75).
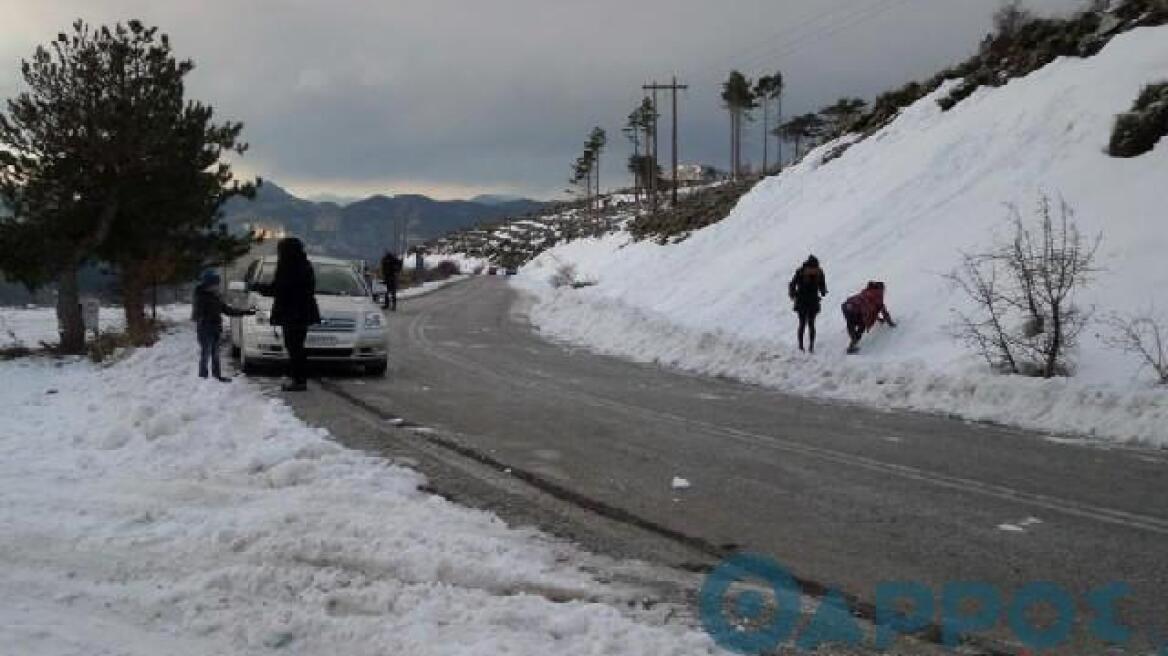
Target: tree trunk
(134, 281)
(1056, 342)
(598, 179)
(69, 319)
(765, 137)
(779, 138)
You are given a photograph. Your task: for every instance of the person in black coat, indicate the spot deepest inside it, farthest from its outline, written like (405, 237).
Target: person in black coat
(807, 287)
(207, 310)
(294, 307)
(391, 266)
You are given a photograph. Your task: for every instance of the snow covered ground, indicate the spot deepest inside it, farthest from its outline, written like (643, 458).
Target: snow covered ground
(146, 511)
(32, 326)
(900, 207)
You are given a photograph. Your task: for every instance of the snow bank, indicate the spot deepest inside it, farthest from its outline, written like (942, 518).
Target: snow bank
(900, 207)
(430, 286)
(146, 511)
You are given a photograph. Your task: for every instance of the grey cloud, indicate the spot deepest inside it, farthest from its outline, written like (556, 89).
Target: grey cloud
(421, 96)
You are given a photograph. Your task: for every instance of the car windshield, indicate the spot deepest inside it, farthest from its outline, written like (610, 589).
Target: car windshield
(331, 279)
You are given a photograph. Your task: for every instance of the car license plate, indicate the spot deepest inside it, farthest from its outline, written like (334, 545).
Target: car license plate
(321, 340)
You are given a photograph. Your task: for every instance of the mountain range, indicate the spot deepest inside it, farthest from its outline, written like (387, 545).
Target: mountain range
(365, 229)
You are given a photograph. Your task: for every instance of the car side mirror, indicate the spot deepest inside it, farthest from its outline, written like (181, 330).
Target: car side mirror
(237, 286)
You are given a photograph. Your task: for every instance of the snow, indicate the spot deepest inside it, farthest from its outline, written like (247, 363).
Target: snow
(429, 286)
(900, 207)
(32, 326)
(146, 511)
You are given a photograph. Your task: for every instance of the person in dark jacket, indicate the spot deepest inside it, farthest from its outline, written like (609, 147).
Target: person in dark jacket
(294, 308)
(391, 266)
(863, 311)
(807, 287)
(207, 310)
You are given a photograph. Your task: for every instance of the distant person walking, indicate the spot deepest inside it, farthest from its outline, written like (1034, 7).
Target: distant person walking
(391, 266)
(207, 310)
(294, 307)
(807, 287)
(863, 311)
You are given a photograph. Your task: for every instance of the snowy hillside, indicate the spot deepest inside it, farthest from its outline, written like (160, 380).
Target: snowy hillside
(900, 206)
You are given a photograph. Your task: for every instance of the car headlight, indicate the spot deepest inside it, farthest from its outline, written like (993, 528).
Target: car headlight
(373, 319)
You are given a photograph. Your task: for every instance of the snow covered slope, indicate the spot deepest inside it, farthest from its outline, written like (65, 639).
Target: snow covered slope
(145, 511)
(899, 207)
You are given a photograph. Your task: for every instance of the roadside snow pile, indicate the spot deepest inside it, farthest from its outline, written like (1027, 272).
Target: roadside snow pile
(900, 207)
(146, 511)
(428, 287)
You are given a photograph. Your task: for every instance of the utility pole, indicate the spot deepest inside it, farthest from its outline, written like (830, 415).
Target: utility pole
(672, 88)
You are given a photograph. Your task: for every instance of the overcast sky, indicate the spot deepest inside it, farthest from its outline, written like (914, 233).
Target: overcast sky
(457, 97)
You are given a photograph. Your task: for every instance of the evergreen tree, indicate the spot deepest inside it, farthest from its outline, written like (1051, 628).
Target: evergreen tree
(637, 129)
(801, 129)
(738, 98)
(840, 117)
(597, 140)
(768, 88)
(102, 158)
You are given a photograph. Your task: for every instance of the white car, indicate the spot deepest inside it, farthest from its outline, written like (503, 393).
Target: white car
(351, 330)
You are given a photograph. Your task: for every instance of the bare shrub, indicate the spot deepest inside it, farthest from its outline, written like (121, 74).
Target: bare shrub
(1027, 321)
(1142, 335)
(447, 269)
(565, 276)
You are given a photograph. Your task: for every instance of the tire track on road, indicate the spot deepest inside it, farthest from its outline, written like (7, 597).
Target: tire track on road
(548, 384)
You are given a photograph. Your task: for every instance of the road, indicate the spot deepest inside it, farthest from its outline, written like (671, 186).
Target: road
(843, 496)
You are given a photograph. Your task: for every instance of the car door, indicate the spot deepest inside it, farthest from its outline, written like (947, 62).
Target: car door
(242, 300)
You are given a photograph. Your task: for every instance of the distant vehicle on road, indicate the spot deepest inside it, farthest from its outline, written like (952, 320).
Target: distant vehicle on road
(352, 327)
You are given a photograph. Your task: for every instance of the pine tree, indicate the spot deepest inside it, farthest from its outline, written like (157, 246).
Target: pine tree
(739, 100)
(597, 140)
(101, 145)
(841, 116)
(768, 88)
(801, 129)
(638, 129)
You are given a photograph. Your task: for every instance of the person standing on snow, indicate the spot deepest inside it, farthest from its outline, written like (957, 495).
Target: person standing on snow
(294, 308)
(806, 289)
(391, 266)
(207, 310)
(863, 311)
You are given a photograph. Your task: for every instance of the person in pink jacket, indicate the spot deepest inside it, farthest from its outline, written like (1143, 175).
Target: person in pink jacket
(863, 311)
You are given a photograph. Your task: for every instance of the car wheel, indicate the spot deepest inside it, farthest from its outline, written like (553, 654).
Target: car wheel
(377, 369)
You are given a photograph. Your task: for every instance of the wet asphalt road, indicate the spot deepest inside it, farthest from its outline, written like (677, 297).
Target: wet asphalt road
(845, 496)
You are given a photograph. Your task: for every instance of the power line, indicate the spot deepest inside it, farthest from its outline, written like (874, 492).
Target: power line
(794, 42)
(872, 13)
(769, 42)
